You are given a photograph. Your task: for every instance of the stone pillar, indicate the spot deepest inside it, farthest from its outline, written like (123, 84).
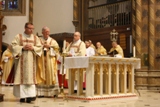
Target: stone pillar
(80, 13)
(138, 26)
(151, 34)
(31, 11)
(133, 21)
(144, 36)
(140, 30)
(157, 35)
(154, 32)
(149, 11)
(75, 14)
(140, 8)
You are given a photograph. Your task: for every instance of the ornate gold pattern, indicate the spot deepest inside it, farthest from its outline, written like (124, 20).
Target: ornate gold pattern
(114, 67)
(105, 68)
(129, 68)
(97, 67)
(121, 68)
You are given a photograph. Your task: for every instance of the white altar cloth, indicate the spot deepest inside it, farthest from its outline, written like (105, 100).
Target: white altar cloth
(76, 62)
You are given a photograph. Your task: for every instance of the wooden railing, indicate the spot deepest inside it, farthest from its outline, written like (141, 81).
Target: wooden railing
(117, 14)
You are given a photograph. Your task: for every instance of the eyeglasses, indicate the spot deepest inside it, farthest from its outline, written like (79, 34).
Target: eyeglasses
(30, 28)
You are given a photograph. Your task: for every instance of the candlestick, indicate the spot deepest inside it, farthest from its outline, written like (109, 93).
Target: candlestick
(62, 85)
(64, 46)
(130, 39)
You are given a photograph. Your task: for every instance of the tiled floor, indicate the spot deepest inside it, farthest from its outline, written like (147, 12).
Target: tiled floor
(146, 99)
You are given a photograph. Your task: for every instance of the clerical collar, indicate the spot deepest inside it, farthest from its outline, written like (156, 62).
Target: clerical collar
(27, 35)
(87, 47)
(77, 41)
(45, 38)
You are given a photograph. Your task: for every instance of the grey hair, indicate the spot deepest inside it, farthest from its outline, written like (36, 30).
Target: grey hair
(45, 28)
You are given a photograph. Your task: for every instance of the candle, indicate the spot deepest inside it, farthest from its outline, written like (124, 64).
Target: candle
(134, 51)
(130, 39)
(64, 46)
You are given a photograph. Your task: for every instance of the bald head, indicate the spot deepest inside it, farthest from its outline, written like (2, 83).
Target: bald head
(45, 32)
(114, 44)
(77, 36)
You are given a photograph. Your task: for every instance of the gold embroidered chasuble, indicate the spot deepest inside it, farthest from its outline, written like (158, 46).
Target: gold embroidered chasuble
(101, 51)
(118, 49)
(25, 62)
(6, 65)
(47, 63)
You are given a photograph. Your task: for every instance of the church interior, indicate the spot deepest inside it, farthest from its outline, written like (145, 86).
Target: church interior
(132, 81)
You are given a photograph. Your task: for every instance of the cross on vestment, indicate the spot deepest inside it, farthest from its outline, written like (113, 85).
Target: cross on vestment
(114, 36)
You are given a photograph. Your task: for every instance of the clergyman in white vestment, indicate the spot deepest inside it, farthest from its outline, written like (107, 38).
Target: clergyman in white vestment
(26, 47)
(89, 50)
(76, 48)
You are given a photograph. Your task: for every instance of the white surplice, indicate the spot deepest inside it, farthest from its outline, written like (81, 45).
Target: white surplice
(90, 51)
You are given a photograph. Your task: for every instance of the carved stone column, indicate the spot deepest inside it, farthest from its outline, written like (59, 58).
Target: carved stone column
(80, 14)
(154, 32)
(151, 33)
(157, 35)
(138, 30)
(133, 21)
(145, 34)
(31, 11)
(75, 14)
(149, 10)
(140, 7)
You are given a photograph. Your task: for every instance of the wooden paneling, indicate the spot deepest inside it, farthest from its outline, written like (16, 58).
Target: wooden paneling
(103, 35)
(147, 79)
(122, 40)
